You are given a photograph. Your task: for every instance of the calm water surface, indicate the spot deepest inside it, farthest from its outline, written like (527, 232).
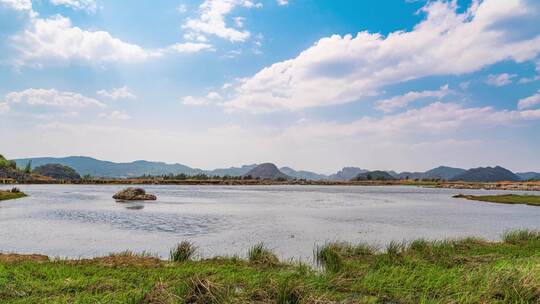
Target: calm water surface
(84, 221)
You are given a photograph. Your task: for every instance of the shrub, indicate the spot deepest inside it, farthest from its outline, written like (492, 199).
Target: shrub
(15, 190)
(183, 252)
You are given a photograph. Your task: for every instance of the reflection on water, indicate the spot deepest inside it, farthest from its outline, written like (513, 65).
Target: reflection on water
(134, 206)
(83, 220)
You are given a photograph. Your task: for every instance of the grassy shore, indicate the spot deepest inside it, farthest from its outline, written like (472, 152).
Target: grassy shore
(532, 200)
(459, 271)
(8, 195)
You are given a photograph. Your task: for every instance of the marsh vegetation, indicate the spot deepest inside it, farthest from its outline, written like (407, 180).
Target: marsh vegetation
(466, 270)
(513, 199)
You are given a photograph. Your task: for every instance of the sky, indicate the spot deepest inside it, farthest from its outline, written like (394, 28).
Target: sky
(317, 85)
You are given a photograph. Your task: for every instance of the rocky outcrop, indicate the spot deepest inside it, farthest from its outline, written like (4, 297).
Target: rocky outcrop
(134, 194)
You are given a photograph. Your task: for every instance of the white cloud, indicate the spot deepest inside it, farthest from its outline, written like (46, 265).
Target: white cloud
(464, 85)
(530, 101)
(428, 136)
(282, 2)
(201, 101)
(211, 20)
(118, 93)
(21, 5)
(214, 96)
(343, 69)
(529, 79)
(56, 38)
(4, 107)
(51, 98)
(401, 101)
(80, 5)
(182, 9)
(115, 115)
(500, 79)
(239, 21)
(435, 118)
(190, 47)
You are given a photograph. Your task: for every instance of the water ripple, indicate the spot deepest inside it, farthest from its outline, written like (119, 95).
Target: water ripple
(186, 225)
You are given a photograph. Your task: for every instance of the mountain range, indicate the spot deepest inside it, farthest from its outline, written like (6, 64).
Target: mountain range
(98, 168)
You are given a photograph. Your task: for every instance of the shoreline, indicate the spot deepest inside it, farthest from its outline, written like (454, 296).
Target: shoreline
(513, 186)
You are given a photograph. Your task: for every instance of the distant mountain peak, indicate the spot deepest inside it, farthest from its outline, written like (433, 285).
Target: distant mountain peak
(266, 171)
(347, 173)
(487, 174)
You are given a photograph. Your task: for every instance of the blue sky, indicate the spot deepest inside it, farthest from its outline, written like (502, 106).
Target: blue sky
(318, 85)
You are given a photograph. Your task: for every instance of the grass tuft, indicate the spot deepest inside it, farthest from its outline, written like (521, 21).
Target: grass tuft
(290, 291)
(395, 249)
(159, 294)
(204, 291)
(521, 236)
(259, 254)
(185, 251)
(331, 256)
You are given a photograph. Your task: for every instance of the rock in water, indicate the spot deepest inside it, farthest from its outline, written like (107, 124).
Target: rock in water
(134, 194)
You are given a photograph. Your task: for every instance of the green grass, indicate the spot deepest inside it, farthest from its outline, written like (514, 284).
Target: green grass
(532, 200)
(8, 195)
(449, 271)
(183, 252)
(517, 237)
(259, 254)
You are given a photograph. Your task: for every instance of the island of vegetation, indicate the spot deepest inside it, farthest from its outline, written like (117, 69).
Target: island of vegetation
(453, 271)
(11, 194)
(531, 200)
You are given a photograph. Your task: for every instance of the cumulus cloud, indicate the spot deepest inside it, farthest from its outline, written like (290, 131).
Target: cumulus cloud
(21, 5)
(201, 101)
(211, 20)
(424, 137)
(79, 5)
(500, 79)
(530, 101)
(282, 2)
(341, 69)
(51, 98)
(401, 101)
(190, 47)
(118, 93)
(56, 38)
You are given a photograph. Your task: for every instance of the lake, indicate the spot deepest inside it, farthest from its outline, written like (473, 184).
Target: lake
(84, 221)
